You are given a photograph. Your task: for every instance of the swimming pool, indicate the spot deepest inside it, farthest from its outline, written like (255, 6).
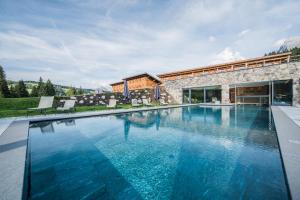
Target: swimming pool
(180, 153)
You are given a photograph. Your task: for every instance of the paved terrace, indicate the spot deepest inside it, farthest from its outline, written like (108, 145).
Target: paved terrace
(287, 122)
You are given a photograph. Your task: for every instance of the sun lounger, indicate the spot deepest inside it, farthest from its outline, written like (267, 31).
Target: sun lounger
(134, 103)
(45, 103)
(162, 102)
(146, 102)
(69, 105)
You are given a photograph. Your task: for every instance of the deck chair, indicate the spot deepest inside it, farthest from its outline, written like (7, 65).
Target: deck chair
(162, 102)
(45, 103)
(134, 103)
(69, 105)
(112, 103)
(146, 102)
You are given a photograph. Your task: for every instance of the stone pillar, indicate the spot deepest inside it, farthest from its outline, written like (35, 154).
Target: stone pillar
(225, 94)
(225, 116)
(296, 92)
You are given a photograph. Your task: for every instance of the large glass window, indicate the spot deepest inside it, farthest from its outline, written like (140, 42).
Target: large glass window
(185, 96)
(197, 95)
(251, 93)
(283, 92)
(213, 94)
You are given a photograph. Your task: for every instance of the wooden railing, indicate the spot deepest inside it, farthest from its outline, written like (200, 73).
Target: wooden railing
(233, 66)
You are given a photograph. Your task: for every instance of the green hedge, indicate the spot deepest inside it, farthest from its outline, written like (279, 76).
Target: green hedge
(18, 103)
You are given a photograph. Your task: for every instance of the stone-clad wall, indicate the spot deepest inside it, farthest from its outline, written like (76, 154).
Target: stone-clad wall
(103, 99)
(266, 73)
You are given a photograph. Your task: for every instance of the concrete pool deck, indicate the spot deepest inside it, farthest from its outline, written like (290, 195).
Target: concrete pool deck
(288, 132)
(13, 145)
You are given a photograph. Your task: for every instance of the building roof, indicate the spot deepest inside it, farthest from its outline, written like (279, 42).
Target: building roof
(116, 83)
(154, 78)
(213, 67)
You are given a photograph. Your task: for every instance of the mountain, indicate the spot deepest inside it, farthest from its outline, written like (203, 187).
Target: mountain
(289, 44)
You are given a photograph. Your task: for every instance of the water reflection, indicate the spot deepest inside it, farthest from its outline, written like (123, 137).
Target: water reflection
(238, 121)
(67, 122)
(45, 127)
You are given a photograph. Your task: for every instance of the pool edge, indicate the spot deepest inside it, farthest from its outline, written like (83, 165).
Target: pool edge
(287, 133)
(13, 148)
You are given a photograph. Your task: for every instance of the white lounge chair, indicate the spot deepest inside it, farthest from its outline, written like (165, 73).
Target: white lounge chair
(146, 102)
(45, 103)
(134, 103)
(112, 103)
(69, 105)
(162, 102)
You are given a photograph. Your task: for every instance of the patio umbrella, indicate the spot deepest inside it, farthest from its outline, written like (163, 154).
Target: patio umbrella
(126, 93)
(157, 120)
(126, 128)
(157, 92)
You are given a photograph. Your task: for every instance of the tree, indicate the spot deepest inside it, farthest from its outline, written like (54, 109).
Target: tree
(34, 92)
(13, 92)
(41, 88)
(49, 88)
(4, 91)
(80, 91)
(295, 51)
(21, 89)
(71, 91)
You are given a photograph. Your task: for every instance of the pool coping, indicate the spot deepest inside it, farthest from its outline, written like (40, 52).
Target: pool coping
(288, 133)
(13, 148)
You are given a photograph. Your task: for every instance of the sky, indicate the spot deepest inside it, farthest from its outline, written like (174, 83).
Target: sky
(93, 43)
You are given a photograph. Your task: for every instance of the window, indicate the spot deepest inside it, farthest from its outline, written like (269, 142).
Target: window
(197, 95)
(283, 92)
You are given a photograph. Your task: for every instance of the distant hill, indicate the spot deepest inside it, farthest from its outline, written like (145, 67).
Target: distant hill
(60, 89)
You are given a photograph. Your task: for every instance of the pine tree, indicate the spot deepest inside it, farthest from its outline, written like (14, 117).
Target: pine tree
(34, 92)
(49, 88)
(21, 89)
(295, 51)
(4, 91)
(71, 91)
(80, 91)
(12, 91)
(41, 88)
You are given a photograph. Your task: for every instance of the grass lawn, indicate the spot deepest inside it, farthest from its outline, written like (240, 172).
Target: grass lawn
(15, 107)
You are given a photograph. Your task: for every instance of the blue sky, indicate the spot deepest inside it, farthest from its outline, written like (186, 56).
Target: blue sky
(94, 43)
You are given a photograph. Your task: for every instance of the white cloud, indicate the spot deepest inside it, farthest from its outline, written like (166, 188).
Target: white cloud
(211, 39)
(91, 44)
(205, 12)
(244, 32)
(279, 42)
(227, 55)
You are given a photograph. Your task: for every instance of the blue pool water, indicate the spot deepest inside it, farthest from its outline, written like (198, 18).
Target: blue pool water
(180, 153)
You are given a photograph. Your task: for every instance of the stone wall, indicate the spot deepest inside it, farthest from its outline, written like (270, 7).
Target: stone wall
(103, 99)
(266, 73)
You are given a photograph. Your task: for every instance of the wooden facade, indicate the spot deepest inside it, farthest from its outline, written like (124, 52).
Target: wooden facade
(226, 67)
(137, 82)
